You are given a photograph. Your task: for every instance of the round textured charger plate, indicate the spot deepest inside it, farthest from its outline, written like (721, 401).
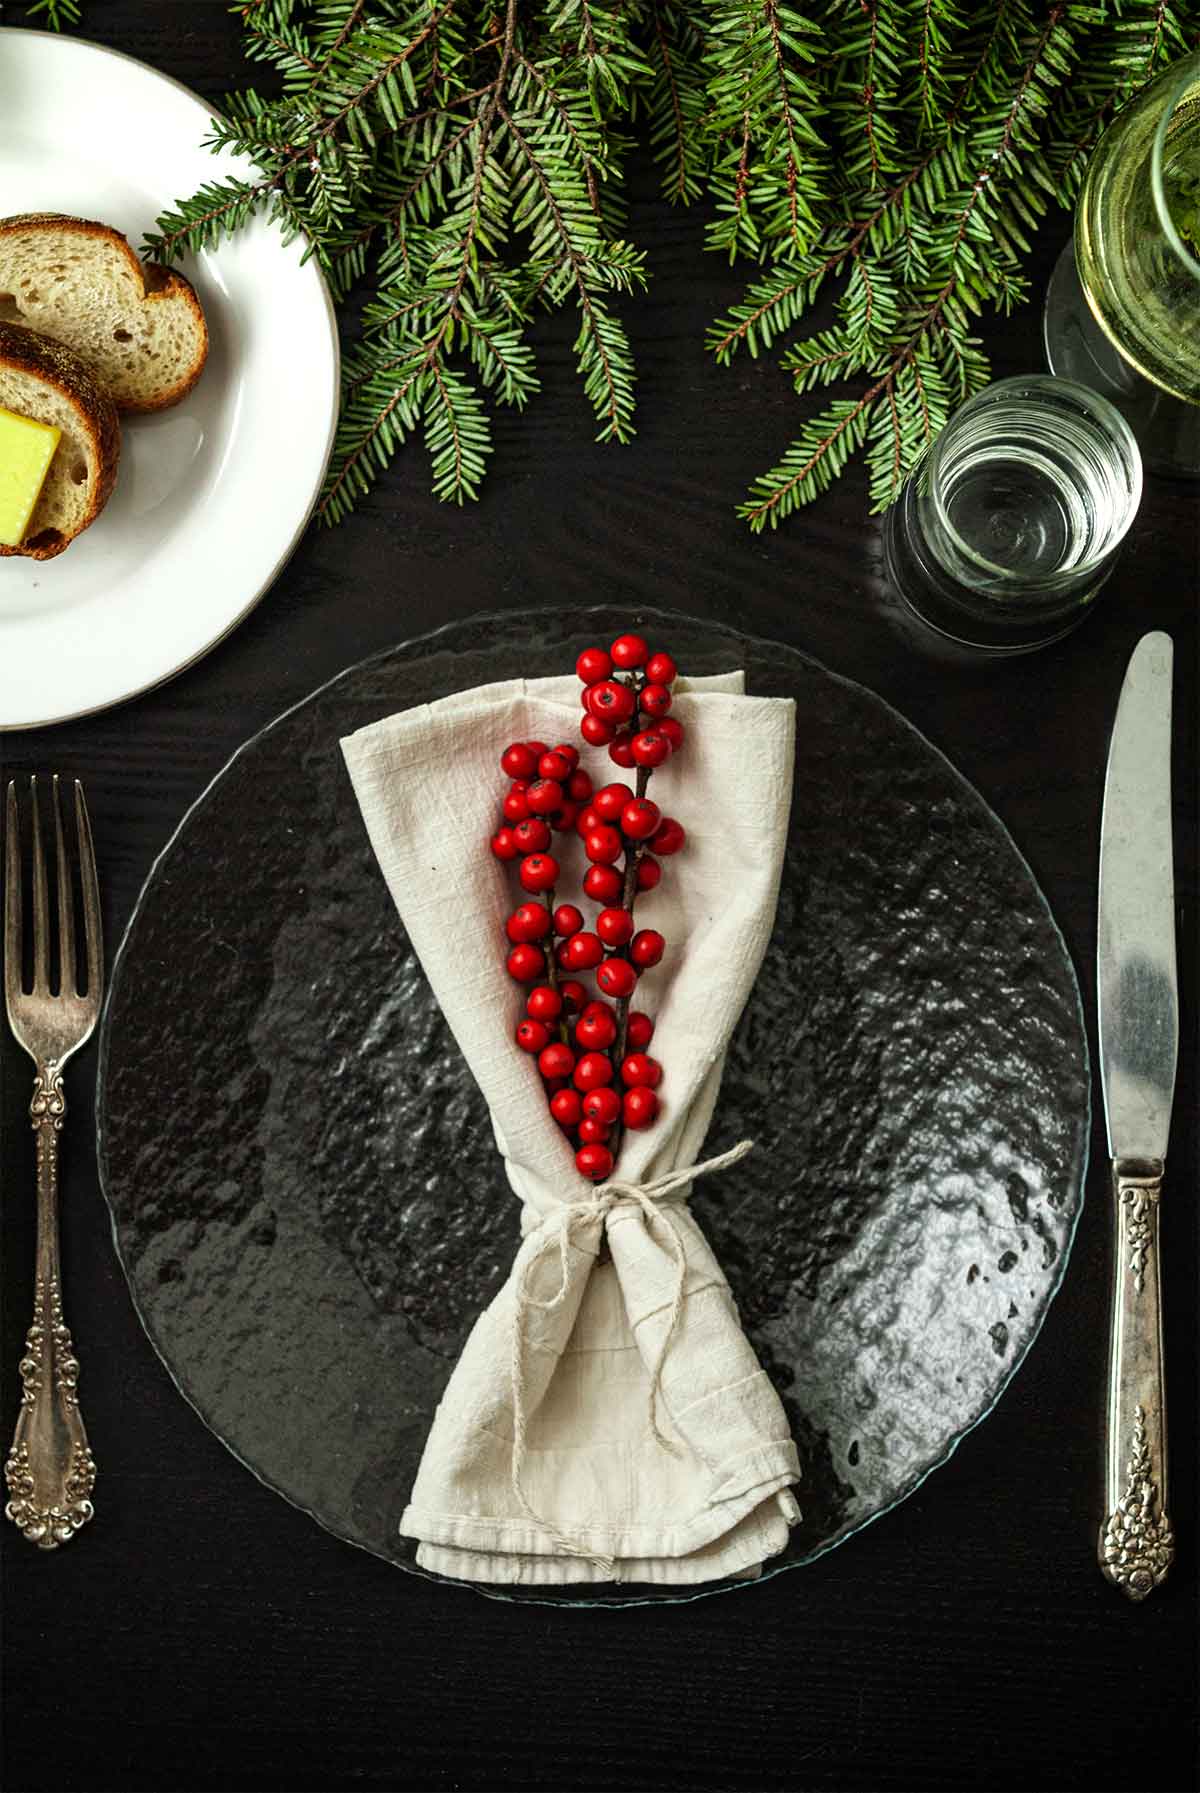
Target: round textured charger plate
(313, 1221)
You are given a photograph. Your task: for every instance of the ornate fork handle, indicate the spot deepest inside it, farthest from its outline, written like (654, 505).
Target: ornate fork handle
(50, 1471)
(1136, 1543)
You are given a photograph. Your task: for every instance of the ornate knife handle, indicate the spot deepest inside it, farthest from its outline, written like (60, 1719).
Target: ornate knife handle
(1136, 1545)
(50, 1471)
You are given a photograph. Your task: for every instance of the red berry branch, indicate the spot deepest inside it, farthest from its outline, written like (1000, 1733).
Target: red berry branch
(592, 1053)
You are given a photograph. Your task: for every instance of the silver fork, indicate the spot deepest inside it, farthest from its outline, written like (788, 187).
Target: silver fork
(50, 1470)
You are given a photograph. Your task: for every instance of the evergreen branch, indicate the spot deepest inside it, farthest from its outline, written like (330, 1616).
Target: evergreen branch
(780, 491)
(597, 343)
(680, 182)
(792, 160)
(868, 92)
(997, 156)
(59, 13)
(222, 218)
(344, 33)
(569, 126)
(455, 167)
(349, 476)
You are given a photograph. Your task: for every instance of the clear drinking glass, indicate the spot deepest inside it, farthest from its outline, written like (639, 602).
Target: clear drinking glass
(1010, 525)
(1123, 306)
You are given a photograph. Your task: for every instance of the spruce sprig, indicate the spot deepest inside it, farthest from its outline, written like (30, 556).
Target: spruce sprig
(56, 15)
(458, 167)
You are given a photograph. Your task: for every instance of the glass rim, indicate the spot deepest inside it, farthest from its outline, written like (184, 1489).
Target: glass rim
(1189, 76)
(1104, 413)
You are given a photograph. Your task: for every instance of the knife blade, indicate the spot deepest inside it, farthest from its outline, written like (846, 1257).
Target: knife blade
(1139, 1039)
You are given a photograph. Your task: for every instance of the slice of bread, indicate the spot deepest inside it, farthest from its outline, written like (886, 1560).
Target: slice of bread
(139, 327)
(45, 380)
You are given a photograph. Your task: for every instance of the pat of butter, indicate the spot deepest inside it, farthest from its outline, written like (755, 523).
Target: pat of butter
(26, 451)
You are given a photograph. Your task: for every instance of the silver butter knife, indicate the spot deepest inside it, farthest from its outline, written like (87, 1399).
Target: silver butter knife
(1139, 1037)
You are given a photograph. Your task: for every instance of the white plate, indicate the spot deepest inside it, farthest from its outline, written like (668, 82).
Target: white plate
(212, 495)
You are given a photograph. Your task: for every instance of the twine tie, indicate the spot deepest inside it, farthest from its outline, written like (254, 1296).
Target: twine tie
(557, 1230)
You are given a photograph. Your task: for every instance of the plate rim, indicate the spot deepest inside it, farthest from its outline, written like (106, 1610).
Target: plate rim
(256, 598)
(592, 1600)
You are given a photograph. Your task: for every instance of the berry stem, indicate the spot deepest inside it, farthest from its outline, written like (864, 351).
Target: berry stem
(633, 858)
(552, 967)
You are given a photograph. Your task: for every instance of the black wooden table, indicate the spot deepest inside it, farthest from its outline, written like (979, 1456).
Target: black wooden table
(201, 1633)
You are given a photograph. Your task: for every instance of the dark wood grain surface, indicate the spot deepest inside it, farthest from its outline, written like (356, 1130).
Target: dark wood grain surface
(201, 1634)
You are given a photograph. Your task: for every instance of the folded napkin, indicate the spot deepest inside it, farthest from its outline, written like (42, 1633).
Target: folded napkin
(608, 1419)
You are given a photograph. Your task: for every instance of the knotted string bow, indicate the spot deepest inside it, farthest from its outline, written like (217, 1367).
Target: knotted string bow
(557, 1229)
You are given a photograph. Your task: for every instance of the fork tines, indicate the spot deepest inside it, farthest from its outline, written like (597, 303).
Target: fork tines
(15, 985)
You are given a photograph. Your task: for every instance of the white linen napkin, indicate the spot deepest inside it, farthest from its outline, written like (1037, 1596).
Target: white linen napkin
(562, 1450)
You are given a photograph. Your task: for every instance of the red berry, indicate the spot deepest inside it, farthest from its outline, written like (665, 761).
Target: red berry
(593, 1133)
(556, 1060)
(639, 1032)
(544, 796)
(528, 922)
(566, 818)
(545, 1004)
(552, 1085)
(649, 872)
(603, 845)
(526, 963)
(650, 748)
(620, 752)
(603, 1105)
(568, 753)
(581, 952)
(673, 731)
(517, 761)
(594, 1162)
(566, 1108)
(661, 669)
(537, 748)
(640, 1070)
(639, 1108)
(593, 1069)
(532, 835)
(532, 1036)
(610, 800)
(516, 803)
(589, 817)
(603, 883)
(567, 919)
(669, 837)
(539, 871)
(616, 977)
(596, 1028)
(555, 766)
(574, 996)
(596, 732)
(647, 948)
(611, 702)
(614, 926)
(593, 665)
(655, 700)
(629, 651)
(579, 787)
(640, 818)
(504, 844)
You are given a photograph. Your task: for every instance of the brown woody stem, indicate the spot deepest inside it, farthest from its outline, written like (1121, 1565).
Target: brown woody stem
(552, 967)
(633, 858)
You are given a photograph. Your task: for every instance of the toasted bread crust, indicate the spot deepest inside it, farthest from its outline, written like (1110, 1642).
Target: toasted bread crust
(47, 360)
(157, 283)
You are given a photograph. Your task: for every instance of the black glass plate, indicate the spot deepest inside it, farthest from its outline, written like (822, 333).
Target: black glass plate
(307, 1199)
